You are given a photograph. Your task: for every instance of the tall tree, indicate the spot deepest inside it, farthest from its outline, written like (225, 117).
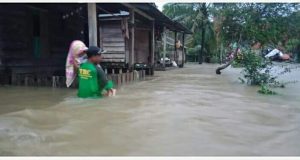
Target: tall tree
(204, 20)
(218, 24)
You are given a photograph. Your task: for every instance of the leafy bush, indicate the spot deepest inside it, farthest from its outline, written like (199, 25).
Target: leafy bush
(237, 63)
(264, 89)
(257, 71)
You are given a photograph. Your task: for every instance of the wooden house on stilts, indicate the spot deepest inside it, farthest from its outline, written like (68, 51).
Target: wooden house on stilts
(35, 38)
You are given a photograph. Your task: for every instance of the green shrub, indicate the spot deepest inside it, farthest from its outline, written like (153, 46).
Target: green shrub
(265, 89)
(257, 71)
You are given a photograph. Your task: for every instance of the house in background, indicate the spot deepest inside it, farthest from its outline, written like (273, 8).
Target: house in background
(35, 38)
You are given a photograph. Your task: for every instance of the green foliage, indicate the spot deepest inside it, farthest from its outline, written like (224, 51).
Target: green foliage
(262, 22)
(214, 59)
(236, 64)
(194, 51)
(238, 61)
(257, 70)
(293, 46)
(267, 23)
(193, 16)
(265, 89)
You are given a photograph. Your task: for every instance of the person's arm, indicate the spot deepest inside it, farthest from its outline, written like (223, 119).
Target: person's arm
(103, 82)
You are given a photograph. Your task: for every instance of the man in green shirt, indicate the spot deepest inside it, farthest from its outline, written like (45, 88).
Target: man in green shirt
(92, 79)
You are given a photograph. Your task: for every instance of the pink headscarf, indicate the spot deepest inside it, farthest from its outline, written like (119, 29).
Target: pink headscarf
(76, 51)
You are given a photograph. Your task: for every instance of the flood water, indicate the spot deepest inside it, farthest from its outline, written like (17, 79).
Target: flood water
(190, 111)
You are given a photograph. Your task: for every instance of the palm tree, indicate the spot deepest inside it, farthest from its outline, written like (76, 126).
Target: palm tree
(195, 17)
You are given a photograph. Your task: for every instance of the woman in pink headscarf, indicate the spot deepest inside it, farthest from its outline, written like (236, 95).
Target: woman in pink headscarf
(76, 56)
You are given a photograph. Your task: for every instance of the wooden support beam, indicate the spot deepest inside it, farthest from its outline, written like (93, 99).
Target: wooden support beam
(98, 28)
(183, 51)
(138, 11)
(92, 22)
(175, 48)
(153, 43)
(36, 8)
(132, 37)
(165, 46)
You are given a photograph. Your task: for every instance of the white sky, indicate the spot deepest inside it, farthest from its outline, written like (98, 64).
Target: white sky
(160, 5)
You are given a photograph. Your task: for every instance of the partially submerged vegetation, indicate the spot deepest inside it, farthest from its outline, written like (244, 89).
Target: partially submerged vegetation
(217, 25)
(254, 28)
(261, 72)
(257, 71)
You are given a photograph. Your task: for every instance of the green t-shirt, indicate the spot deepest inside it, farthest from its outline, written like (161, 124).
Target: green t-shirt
(92, 81)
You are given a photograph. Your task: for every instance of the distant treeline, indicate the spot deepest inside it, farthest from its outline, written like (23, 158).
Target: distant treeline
(217, 25)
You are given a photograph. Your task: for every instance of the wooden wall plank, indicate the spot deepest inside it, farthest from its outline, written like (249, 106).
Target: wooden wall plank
(113, 60)
(111, 56)
(142, 46)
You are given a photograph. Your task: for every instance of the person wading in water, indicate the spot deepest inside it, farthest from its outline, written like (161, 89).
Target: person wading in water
(92, 79)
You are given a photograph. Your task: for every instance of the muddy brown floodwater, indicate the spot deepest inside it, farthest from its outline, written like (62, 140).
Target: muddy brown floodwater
(189, 111)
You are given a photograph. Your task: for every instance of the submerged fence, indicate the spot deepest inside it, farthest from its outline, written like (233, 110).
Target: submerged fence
(59, 81)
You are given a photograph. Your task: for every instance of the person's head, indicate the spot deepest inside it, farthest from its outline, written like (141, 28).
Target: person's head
(94, 54)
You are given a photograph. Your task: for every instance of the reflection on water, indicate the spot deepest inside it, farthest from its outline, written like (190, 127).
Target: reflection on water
(189, 111)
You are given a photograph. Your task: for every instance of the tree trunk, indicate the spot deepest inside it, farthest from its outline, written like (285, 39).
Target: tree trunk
(204, 18)
(218, 70)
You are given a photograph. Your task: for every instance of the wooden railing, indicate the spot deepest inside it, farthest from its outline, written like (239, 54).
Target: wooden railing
(59, 81)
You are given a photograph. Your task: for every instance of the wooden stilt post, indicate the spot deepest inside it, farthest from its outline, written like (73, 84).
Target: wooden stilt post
(92, 22)
(132, 37)
(119, 79)
(53, 81)
(153, 49)
(183, 51)
(165, 47)
(26, 80)
(175, 48)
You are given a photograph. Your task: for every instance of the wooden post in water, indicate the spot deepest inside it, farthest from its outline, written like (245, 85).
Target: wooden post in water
(26, 80)
(119, 79)
(127, 77)
(53, 81)
(39, 80)
(123, 75)
(144, 74)
(136, 75)
(113, 78)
